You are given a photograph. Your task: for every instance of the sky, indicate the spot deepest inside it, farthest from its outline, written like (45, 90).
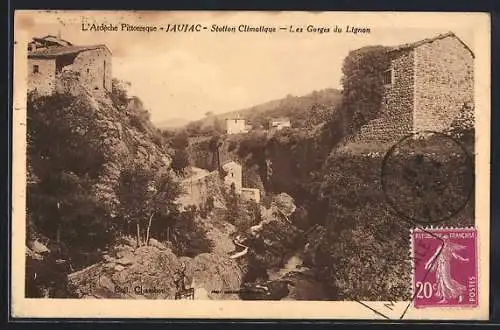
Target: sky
(185, 75)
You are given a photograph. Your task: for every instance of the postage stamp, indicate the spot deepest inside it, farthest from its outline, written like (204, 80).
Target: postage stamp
(449, 277)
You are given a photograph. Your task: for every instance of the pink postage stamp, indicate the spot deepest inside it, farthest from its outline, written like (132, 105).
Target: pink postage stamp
(444, 267)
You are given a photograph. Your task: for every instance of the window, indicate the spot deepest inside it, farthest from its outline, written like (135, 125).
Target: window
(36, 69)
(387, 77)
(88, 70)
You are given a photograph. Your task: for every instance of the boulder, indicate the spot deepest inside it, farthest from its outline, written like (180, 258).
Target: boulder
(157, 244)
(108, 258)
(125, 254)
(119, 268)
(127, 260)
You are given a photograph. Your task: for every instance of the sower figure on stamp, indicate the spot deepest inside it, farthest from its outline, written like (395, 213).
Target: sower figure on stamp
(447, 287)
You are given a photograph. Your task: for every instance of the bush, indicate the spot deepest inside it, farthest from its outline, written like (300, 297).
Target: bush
(362, 83)
(363, 232)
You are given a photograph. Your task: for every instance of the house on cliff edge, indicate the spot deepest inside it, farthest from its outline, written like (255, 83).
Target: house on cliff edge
(428, 83)
(49, 57)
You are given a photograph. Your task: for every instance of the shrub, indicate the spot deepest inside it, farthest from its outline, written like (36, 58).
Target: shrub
(362, 83)
(363, 232)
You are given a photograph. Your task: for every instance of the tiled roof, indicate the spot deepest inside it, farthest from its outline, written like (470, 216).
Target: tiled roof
(58, 51)
(53, 39)
(429, 40)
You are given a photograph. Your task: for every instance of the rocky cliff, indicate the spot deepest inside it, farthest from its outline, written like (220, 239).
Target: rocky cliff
(80, 145)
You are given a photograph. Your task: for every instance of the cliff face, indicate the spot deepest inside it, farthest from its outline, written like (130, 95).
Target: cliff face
(80, 145)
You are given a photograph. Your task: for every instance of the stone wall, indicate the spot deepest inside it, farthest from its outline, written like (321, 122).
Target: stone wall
(396, 115)
(42, 81)
(444, 82)
(198, 189)
(250, 194)
(397, 101)
(95, 69)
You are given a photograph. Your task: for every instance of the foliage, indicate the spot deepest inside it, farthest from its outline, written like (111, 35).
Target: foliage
(63, 163)
(362, 84)
(179, 141)
(303, 111)
(119, 93)
(241, 213)
(180, 228)
(232, 204)
(363, 232)
(462, 128)
(144, 194)
(180, 161)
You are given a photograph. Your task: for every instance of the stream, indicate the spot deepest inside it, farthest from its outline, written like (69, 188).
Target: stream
(291, 282)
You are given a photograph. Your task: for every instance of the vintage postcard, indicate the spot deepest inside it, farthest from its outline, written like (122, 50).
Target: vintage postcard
(255, 165)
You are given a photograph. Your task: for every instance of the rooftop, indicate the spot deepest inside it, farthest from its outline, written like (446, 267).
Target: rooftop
(62, 50)
(419, 43)
(52, 40)
(281, 119)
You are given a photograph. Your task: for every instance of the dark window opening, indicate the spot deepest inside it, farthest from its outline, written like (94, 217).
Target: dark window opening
(104, 76)
(387, 78)
(36, 69)
(88, 70)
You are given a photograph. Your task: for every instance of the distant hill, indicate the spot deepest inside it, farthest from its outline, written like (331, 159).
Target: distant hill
(304, 111)
(172, 123)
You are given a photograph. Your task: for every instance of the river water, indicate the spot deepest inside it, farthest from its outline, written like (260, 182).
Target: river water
(290, 266)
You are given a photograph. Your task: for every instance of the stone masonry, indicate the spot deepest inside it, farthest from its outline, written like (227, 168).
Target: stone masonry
(92, 65)
(431, 80)
(444, 82)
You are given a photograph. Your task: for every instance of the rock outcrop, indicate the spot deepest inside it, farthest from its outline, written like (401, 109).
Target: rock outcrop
(147, 272)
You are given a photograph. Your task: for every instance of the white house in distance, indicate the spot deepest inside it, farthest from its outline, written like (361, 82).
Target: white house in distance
(279, 123)
(236, 125)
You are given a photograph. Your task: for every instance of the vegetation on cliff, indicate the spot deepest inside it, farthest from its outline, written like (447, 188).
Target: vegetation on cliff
(304, 112)
(97, 170)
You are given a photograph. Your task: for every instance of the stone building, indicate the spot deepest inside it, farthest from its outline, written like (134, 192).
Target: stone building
(49, 57)
(236, 126)
(428, 82)
(234, 175)
(250, 194)
(279, 123)
(197, 188)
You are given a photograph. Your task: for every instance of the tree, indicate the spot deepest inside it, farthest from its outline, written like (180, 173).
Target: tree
(180, 161)
(180, 140)
(194, 128)
(462, 128)
(144, 194)
(119, 93)
(219, 126)
(232, 204)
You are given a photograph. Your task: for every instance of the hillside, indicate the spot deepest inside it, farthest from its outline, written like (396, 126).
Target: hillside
(103, 217)
(304, 111)
(99, 174)
(172, 123)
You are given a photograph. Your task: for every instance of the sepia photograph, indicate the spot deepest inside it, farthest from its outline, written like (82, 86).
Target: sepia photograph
(330, 161)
